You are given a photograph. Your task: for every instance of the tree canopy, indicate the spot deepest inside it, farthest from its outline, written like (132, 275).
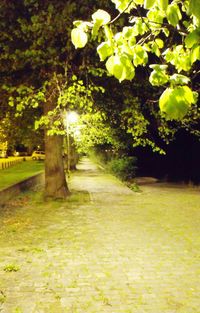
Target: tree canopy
(37, 65)
(163, 35)
(36, 61)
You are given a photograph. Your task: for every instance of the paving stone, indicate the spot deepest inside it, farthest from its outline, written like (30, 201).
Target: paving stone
(115, 252)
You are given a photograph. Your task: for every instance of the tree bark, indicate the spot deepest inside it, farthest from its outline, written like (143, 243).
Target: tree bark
(55, 178)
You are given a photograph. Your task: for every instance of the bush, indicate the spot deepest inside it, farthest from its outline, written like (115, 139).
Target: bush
(101, 156)
(124, 168)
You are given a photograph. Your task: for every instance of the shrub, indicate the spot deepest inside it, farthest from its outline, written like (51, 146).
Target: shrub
(124, 168)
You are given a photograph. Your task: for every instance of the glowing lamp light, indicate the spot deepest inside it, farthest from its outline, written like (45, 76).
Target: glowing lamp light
(71, 117)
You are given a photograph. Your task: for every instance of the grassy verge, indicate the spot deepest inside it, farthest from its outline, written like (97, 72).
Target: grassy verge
(19, 172)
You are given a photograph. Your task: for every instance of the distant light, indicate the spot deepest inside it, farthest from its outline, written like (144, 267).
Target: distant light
(72, 117)
(77, 133)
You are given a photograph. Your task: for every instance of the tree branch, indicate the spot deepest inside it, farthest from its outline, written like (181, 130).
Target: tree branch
(118, 16)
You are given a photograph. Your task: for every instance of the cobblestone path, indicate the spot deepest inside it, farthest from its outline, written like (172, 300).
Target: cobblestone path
(106, 250)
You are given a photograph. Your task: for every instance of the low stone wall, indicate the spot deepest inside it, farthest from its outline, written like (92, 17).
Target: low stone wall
(14, 190)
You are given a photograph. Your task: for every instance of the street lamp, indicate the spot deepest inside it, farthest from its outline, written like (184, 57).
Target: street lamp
(71, 117)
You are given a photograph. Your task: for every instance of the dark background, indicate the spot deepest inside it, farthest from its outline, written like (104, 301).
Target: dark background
(180, 164)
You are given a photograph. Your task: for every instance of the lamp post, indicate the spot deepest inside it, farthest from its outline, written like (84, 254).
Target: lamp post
(71, 117)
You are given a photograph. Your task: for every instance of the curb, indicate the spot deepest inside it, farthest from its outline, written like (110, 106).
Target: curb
(14, 190)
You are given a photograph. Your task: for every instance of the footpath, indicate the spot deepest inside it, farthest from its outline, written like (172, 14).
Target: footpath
(105, 250)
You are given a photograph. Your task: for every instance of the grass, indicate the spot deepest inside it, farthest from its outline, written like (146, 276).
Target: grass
(19, 172)
(11, 268)
(2, 297)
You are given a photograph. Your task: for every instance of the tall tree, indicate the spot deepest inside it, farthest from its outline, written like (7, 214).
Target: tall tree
(31, 52)
(35, 50)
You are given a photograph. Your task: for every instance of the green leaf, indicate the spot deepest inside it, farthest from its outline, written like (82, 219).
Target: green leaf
(119, 38)
(140, 56)
(179, 57)
(192, 38)
(159, 76)
(83, 25)
(166, 32)
(95, 29)
(195, 54)
(159, 43)
(148, 4)
(108, 33)
(128, 32)
(140, 2)
(158, 67)
(79, 38)
(139, 27)
(130, 70)
(194, 8)
(132, 42)
(11, 102)
(120, 67)
(173, 14)
(178, 79)
(155, 15)
(163, 4)
(176, 102)
(189, 95)
(125, 48)
(155, 49)
(102, 17)
(124, 5)
(147, 47)
(113, 64)
(104, 50)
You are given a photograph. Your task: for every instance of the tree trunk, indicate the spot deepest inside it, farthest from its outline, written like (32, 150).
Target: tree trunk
(55, 178)
(73, 155)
